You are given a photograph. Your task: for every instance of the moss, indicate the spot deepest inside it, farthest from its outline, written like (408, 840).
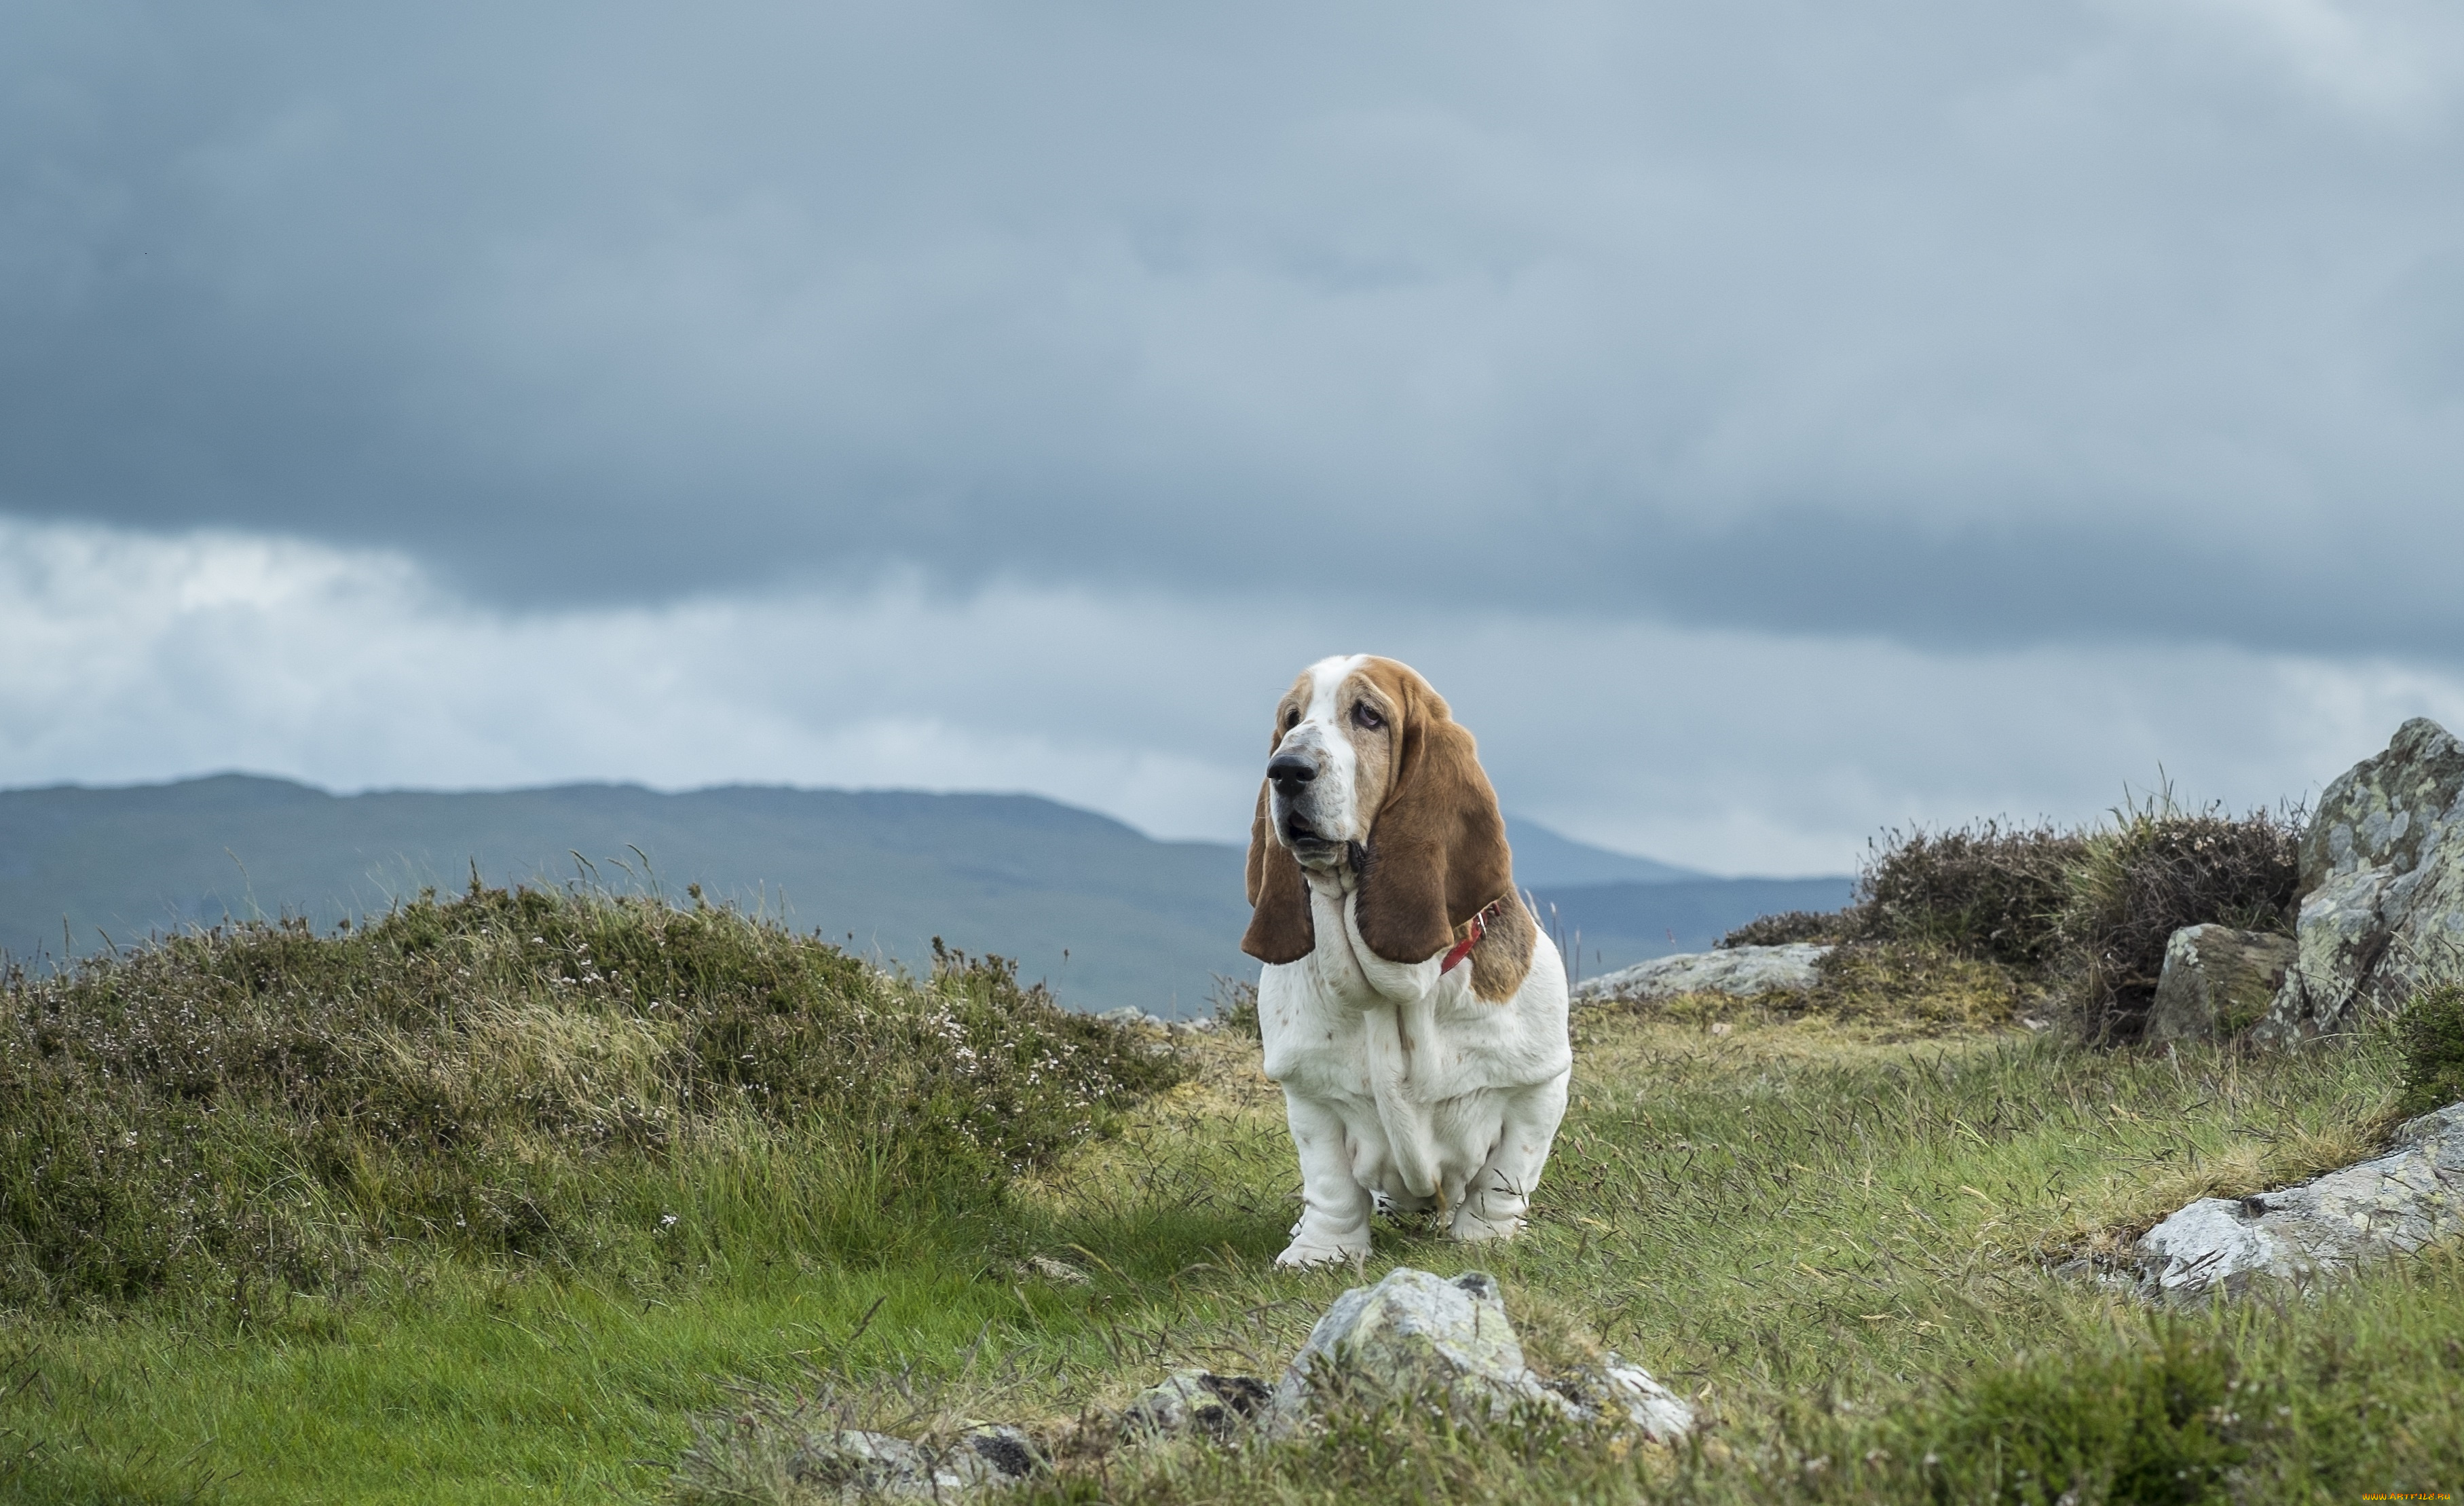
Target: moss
(1916, 983)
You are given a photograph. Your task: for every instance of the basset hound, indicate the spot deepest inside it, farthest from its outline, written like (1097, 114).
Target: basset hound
(1410, 1012)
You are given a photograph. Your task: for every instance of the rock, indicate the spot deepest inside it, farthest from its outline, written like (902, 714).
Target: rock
(1131, 1014)
(2391, 1205)
(2218, 983)
(2382, 886)
(1217, 1406)
(1627, 1393)
(1417, 1334)
(1740, 971)
(859, 1465)
(1062, 1271)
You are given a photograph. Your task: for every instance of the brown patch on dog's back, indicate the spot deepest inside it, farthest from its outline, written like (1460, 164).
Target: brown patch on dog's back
(1503, 959)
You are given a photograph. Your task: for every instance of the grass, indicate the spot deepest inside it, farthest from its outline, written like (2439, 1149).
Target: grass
(2429, 1032)
(1838, 1229)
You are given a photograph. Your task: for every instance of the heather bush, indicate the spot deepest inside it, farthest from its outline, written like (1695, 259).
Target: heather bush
(507, 1073)
(1987, 891)
(1790, 926)
(2153, 870)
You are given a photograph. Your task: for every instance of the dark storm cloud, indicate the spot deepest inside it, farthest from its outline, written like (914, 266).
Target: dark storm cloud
(1939, 322)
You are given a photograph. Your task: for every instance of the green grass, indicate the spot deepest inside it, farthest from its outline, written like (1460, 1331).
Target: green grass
(1837, 1233)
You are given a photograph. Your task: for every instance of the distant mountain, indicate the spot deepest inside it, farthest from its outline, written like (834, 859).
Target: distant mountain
(1108, 915)
(1543, 859)
(1105, 914)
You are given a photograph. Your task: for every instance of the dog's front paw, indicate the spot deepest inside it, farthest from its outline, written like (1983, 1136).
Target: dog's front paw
(1471, 1228)
(1306, 1252)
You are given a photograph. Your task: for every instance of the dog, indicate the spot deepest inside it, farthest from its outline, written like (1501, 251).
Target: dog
(1410, 1012)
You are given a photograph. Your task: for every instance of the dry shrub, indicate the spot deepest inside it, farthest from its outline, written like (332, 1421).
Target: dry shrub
(2155, 870)
(1985, 891)
(1791, 927)
(2085, 914)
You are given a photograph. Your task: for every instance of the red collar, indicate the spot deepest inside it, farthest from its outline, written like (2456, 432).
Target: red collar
(1479, 929)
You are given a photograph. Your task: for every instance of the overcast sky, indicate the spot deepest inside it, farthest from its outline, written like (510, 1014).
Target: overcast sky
(1767, 422)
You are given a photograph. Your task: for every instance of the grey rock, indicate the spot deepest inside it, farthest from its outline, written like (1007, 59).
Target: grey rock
(2391, 1205)
(1185, 1402)
(1627, 1394)
(1416, 1334)
(2217, 982)
(1422, 1334)
(1740, 971)
(1052, 1270)
(2381, 885)
(1132, 1014)
(857, 1465)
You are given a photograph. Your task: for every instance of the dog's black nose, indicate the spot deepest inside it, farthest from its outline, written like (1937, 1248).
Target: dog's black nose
(1290, 770)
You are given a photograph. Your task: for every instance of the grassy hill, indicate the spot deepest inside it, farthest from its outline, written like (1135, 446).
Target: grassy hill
(1104, 914)
(586, 1199)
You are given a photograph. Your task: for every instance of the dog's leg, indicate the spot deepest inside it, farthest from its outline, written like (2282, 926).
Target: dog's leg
(1494, 1203)
(1334, 1221)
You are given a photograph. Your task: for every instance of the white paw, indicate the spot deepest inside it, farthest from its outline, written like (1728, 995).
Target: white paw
(1473, 1230)
(1303, 1254)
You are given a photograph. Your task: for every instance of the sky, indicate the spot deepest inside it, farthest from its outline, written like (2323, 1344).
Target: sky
(1768, 423)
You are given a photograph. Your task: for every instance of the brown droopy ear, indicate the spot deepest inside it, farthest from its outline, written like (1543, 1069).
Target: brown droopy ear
(1437, 850)
(1279, 928)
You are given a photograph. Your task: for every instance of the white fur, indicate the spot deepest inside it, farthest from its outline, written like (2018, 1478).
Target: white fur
(1398, 1083)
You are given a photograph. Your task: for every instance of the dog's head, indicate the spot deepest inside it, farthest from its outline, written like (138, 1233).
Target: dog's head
(1368, 767)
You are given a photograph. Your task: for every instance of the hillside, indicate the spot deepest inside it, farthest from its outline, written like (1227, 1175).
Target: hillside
(1108, 916)
(543, 1196)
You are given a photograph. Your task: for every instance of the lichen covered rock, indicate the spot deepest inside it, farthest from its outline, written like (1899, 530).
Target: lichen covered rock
(1742, 972)
(2391, 1205)
(1423, 1336)
(857, 1465)
(2382, 886)
(1198, 1402)
(2217, 982)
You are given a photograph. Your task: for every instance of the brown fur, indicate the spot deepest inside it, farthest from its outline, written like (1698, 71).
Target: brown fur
(1280, 927)
(1502, 958)
(1437, 852)
(1435, 846)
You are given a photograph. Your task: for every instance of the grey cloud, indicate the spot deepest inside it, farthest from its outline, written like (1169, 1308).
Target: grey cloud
(1935, 321)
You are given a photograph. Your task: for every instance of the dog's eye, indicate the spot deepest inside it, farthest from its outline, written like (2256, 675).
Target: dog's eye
(1291, 718)
(1365, 717)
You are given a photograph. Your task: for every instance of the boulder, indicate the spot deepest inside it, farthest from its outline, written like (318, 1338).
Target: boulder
(1740, 971)
(2217, 982)
(856, 1465)
(2391, 1205)
(1416, 1334)
(2382, 886)
(1186, 1402)
(1422, 1334)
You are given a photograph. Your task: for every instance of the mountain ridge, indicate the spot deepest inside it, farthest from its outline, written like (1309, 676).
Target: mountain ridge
(1106, 914)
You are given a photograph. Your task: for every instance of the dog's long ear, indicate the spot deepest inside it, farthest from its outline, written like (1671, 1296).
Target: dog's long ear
(1279, 928)
(1437, 849)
